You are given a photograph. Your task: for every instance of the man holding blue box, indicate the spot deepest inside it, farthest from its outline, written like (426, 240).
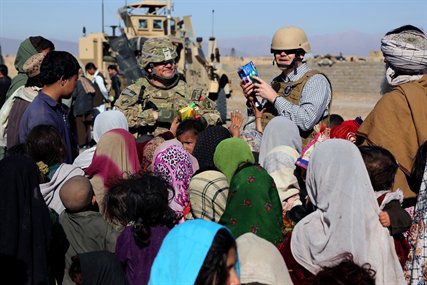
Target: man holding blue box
(298, 93)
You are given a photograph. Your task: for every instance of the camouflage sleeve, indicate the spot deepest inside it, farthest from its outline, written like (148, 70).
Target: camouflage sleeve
(207, 108)
(133, 110)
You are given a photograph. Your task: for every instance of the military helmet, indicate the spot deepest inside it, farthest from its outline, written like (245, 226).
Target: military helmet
(157, 50)
(288, 38)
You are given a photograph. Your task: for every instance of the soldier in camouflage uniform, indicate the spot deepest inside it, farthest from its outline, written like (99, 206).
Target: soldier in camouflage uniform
(153, 101)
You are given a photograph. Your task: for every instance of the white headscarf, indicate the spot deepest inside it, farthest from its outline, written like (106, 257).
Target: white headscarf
(261, 262)
(280, 164)
(346, 219)
(104, 122)
(50, 190)
(107, 121)
(279, 131)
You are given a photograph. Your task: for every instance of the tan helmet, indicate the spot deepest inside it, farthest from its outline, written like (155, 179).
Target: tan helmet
(157, 50)
(288, 38)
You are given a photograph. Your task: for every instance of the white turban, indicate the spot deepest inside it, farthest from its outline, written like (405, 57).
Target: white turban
(405, 50)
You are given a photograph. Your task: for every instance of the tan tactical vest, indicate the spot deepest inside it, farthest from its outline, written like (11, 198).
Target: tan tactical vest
(292, 91)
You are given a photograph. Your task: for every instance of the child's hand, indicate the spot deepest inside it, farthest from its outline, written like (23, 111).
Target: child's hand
(236, 123)
(289, 203)
(258, 113)
(384, 219)
(174, 125)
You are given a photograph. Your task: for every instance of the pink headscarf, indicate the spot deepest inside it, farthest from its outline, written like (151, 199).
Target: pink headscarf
(115, 156)
(176, 166)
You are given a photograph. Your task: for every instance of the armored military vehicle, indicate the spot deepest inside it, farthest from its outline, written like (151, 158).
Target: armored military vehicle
(149, 19)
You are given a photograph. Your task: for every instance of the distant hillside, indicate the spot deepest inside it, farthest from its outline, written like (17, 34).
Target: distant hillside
(10, 46)
(349, 43)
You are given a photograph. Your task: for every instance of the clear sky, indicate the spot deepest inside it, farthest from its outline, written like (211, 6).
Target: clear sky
(64, 19)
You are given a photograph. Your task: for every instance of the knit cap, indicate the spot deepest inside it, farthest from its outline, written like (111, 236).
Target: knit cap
(33, 63)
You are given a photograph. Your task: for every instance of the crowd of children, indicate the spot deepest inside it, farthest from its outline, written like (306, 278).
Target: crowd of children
(201, 204)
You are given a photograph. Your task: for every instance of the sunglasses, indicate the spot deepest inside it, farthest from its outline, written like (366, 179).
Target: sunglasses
(171, 61)
(286, 51)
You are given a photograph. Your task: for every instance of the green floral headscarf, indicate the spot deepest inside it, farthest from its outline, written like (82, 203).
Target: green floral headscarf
(254, 205)
(230, 154)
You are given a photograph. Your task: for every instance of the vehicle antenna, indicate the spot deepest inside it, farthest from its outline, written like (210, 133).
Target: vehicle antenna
(168, 16)
(213, 20)
(102, 11)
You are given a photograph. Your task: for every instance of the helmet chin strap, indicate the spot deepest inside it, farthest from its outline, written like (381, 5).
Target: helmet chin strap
(167, 82)
(293, 66)
(285, 66)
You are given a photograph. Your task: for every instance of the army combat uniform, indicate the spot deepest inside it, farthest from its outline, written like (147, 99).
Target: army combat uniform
(139, 100)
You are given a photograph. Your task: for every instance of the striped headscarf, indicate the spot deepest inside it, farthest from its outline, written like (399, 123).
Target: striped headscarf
(405, 51)
(208, 195)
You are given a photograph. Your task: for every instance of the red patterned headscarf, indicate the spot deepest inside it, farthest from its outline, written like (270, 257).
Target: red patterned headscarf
(347, 130)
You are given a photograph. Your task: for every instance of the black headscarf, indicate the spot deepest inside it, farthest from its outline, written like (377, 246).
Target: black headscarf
(24, 224)
(206, 145)
(101, 267)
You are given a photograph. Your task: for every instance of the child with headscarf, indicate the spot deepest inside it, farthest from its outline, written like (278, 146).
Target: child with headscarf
(85, 228)
(46, 147)
(115, 157)
(280, 148)
(208, 192)
(176, 166)
(279, 131)
(28, 48)
(253, 203)
(346, 130)
(104, 122)
(230, 154)
(17, 103)
(261, 262)
(207, 141)
(197, 252)
(345, 219)
(25, 225)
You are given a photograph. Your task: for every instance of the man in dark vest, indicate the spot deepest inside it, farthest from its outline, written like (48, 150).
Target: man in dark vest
(298, 93)
(101, 93)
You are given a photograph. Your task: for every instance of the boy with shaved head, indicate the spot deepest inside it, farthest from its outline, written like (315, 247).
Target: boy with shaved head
(86, 230)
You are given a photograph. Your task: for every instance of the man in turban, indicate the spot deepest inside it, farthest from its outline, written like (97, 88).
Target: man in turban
(398, 121)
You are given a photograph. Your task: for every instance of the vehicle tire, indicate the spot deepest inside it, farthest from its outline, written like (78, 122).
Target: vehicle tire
(221, 105)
